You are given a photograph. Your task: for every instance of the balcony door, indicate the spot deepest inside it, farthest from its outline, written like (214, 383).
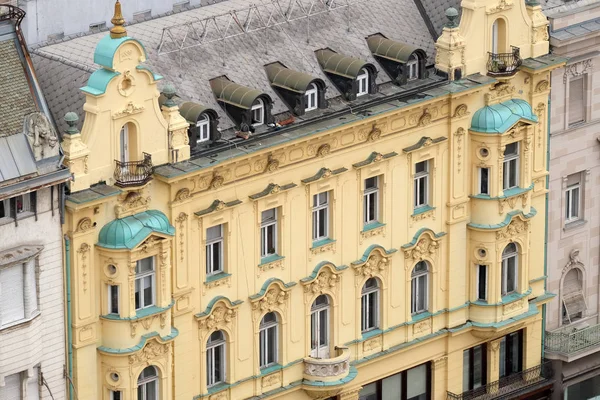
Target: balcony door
(319, 327)
(124, 140)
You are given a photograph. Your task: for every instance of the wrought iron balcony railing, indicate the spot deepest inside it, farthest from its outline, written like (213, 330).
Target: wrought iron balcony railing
(133, 173)
(504, 64)
(569, 341)
(511, 386)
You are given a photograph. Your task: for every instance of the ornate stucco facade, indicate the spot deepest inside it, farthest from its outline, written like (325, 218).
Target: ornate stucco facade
(218, 275)
(572, 323)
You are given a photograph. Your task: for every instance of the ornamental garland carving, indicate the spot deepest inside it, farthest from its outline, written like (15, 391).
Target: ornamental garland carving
(426, 247)
(372, 344)
(84, 250)
(271, 380)
(377, 263)
(326, 280)
(511, 202)
(501, 6)
(274, 298)
(221, 316)
(577, 69)
(516, 227)
(130, 109)
(152, 351)
(422, 326)
(181, 221)
(149, 244)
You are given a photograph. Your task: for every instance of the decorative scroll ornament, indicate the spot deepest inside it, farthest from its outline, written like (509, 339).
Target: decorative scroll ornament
(274, 298)
(502, 5)
(84, 224)
(221, 315)
(461, 111)
(574, 261)
(375, 264)
(542, 86)
(577, 69)
(426, 246)
(323, 150)
(151, 352)
(131, 202)
(182, 194)
(216, 182)
(130, 109)
(425, 118)
(516, 227)
(326, 280)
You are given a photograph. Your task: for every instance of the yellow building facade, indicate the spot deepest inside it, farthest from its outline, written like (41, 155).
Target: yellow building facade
(396, 255)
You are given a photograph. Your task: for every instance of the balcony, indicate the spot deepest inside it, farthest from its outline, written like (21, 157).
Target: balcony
(571, 343)
(133, 173)
(504, 64)
(328, 369)
(517, 385)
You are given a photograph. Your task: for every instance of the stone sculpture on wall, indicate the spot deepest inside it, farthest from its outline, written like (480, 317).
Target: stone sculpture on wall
(42, 136)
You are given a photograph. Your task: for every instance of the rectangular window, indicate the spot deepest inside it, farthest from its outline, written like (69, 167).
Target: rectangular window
(413, 384)
(484, 181)
(203, 126)
(511, 166)
(15, 384)
(511, 351)
(310, 98)
(18, 286)
(362, 80)
(413, 69)
(482, 282)
(320, 216)
(6, 211)
(370, 310)
(474, 367)
(421, 183)
(214, 250)
(144, 283)
(268, 233)
(577, 103)
(258, 113)
(113, 299)
(371, 200)
(268, 346)
(573, 198)
(115, 395)
(509, 275)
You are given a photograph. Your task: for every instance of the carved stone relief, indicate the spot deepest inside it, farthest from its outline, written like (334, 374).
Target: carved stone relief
(152, 351)
(516, 227)
(41, 135)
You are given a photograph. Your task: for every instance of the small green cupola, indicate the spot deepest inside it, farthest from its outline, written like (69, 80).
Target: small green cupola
(126, 233)
(498, 118)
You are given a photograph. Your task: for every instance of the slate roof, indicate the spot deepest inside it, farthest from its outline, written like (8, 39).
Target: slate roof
(435, 12)
(65, 66)
(552, 7)
(14, 90)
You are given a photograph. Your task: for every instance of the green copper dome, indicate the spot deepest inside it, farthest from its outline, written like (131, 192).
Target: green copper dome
(128, 232)
(498, 118)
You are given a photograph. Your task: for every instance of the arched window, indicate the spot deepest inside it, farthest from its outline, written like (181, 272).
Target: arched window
(124, 141)
(203, 125)
(215, 359)
(498, 36)
(269, 340)
(319, 327)
(413, 67)
(147, 384)
(258, 112)
(510, 269)
(370, 305)
(573, 300)
(363, 82)
(419, 300)
(311, 97)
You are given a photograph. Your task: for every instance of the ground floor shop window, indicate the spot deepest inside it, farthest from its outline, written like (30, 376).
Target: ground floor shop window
(412, 384)
(586, 390)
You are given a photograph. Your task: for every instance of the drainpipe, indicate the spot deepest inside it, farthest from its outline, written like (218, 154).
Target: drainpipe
(546, 228)
(69, 316)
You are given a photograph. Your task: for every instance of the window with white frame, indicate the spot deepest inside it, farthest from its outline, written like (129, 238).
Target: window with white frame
(369, 305)
(510, 273)
(116, 395)
(482, 273)
(215, 359)
(413, 67)
(147, 384)
(258, 112)
(320, 214)
(20, 386)
(419, 300)
(144, 283)
(269, 340)
(371, 200)
(511, 166)
(484, 181)
(113, 299)
(311, 97)
(573, 198)
(573, 300)
(18, 291)
(319, 327)
(421, 183)
(203, 125)
(362, 80)
(214, 250)
(577, 103)
(268, 233)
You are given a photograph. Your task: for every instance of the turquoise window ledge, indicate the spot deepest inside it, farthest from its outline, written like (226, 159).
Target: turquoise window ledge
(372, 225)
(216, 277)
(322, 242)
(421, 210)
(271, 369)
(372, 333)
(270, 259)
(143, 313)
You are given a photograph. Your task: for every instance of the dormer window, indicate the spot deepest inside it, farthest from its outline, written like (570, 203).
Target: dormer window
(203, 125)
(412, 67)
(310, 97)
(362, 81)
(258, 112)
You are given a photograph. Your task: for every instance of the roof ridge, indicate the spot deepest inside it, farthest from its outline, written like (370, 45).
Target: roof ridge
(426, 19)
(63, 60)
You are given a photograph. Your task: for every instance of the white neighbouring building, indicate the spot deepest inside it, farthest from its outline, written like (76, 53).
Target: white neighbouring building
(32, 316)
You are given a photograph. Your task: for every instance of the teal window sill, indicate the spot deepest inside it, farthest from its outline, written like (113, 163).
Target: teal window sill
(422, 209)
(271, 369)
(143, 313)
(216, 277)
(270, 259)
(482, 303)
(322, 242)
(371, 333)
(422, 315)
(506, 193)
(218, 387)
(372, 225)
(509, 298)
